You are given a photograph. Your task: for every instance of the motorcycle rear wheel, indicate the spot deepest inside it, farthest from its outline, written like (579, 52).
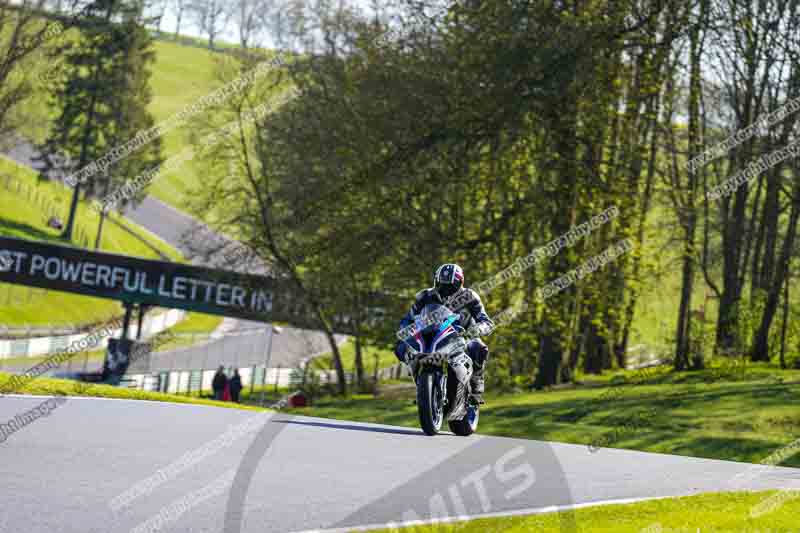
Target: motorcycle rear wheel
(430, 403)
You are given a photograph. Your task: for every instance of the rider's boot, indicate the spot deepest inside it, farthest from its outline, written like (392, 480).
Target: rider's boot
(476, 385)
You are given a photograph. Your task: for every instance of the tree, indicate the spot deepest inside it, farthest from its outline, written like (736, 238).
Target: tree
(159, 9)
(178, 8)
(24, 34)
(129, 78)
(476, 132)
(103, 94)
(212, 17)
(249, 18)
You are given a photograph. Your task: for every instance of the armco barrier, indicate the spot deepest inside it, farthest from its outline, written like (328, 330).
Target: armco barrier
(39, 346)
(189, 381)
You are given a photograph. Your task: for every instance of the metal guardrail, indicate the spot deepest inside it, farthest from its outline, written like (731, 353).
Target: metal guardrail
(193, 381)
(35, 345)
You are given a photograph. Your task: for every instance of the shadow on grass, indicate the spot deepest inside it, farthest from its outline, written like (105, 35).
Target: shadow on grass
(27, 230)
(732, 448)
(678, 415)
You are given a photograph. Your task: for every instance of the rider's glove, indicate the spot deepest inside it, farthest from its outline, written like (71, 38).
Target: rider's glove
(411, 361)
(485, 328)
(480, 329)
(400, 350)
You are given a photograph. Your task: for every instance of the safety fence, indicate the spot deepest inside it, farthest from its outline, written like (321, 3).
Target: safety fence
(31, 345)
(49, 207)
(194, 381)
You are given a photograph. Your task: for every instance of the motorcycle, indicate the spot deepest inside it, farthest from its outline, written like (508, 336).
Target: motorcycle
(437, 357)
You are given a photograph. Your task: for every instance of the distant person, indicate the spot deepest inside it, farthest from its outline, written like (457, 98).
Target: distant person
(236, 386)
(219, 384)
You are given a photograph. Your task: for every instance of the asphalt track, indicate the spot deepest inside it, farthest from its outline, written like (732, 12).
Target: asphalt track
(78, 469)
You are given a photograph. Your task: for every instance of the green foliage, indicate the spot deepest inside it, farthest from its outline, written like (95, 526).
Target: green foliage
(476, 137)
(102, 99)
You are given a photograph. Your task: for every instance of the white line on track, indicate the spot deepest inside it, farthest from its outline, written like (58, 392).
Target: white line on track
(451, 519)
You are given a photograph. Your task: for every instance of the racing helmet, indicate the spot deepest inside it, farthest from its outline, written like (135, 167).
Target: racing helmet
(448, 279)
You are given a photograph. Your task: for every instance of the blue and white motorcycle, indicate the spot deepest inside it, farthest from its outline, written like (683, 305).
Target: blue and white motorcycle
(437, 357)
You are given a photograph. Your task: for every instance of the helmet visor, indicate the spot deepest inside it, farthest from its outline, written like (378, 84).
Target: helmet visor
(446, 290)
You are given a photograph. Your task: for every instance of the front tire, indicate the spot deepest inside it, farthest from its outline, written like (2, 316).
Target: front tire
(467, 425)
(429, 403)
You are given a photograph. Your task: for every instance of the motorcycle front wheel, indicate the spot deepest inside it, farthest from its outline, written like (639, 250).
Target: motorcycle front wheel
(467, 425)
(430, 403)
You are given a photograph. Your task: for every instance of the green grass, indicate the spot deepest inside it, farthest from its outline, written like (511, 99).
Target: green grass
(706, 512)
(741, 417)
(76, 361)
(25, 212)
(24, 215)
(52, 387)
(194, 323)
(181, 76)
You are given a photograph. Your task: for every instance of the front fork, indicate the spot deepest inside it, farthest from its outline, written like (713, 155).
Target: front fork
(442, 381)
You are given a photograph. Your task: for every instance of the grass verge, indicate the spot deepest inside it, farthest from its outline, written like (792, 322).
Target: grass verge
(201, 324)
(52, 387)
(719, 512)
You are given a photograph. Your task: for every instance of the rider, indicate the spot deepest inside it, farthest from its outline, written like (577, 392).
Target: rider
(448, 289)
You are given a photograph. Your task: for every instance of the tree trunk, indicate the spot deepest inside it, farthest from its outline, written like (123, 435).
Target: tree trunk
(594, 351)
(359, 363)
(770, 223)
(682, 337)
(760, 349)
(178, 22)
(689, 217)
(73, 208)
(549, 368)
(785, 319)
(100, 230)
(341, 384)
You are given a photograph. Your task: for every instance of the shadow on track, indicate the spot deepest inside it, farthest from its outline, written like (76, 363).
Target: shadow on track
(351, 427)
